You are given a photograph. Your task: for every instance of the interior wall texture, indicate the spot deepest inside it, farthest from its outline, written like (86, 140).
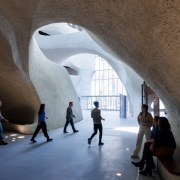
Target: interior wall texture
(85, 65)
(143, 34)
(54, 87)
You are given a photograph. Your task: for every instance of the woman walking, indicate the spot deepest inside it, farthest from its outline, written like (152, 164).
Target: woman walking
(41, 124)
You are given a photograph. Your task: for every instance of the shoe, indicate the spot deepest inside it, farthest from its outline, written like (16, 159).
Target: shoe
(48, 140)
(138, 164)
(100, 144)
(65, 132)
(3, 143)
(33, 140)
(76, 131)
(89, 141)
(146, 172)
(134, 156)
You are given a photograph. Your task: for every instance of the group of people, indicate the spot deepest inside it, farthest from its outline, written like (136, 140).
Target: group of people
(160, 141)
(42, 123)
(159, 137)
(95, 114)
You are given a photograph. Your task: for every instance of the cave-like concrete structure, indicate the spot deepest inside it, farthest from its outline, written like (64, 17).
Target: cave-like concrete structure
(143, 35)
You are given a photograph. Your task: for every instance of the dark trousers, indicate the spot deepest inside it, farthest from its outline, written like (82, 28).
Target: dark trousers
(41, 125)
(72, 125)
(147, 154)
(96, 128)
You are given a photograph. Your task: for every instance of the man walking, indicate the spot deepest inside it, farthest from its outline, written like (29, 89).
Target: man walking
(96, 115)
(69, 118)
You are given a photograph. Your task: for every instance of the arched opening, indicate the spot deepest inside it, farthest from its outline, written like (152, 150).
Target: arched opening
(66, 45)
(106, 87)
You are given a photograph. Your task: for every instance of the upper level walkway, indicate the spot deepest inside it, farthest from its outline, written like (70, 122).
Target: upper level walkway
(69, 157)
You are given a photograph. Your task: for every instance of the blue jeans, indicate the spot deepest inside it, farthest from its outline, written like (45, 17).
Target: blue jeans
(1, 132)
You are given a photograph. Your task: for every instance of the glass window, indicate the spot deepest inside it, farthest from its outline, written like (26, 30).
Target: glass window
(106, 86)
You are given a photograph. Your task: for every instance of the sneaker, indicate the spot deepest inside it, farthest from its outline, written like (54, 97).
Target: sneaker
(3, 143)
(33, 140)
(65, 132)
(76, 131)
(100, 144)
(89, 141)
(134, 156)
(48, 140)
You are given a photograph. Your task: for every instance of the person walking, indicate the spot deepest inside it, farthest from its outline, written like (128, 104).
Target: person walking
(96, 115)
(145, 121)
(69, 118)
(2, 119)
(41, 124)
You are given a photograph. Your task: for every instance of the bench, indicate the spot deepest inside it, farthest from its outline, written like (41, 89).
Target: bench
(170, 165)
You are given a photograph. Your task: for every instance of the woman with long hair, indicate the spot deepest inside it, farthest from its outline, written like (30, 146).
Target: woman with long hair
(145, 120)
(41, 124)
(163, 146)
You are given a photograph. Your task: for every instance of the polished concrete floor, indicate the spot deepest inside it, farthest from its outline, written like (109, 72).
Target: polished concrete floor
(69, 157)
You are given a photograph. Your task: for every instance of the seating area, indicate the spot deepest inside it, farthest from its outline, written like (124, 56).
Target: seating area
(169, 168)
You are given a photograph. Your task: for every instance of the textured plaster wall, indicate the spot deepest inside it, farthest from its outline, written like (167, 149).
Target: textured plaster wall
(77, 50)
(85, 65)
(20, 100)
(143, 34)
(54, 87)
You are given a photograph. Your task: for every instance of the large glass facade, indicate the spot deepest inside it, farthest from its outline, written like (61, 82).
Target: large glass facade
(105, 81)
(106, 87)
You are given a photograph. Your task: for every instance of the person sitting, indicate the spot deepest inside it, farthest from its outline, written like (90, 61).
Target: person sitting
(155, 128)
(147, 144)
(163, 146)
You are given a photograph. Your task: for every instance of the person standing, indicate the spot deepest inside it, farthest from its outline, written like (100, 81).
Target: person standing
(69, 118)
(162, 146)
(2, 119)
(96, 115)
(41, 124)
(147, 144)
(145, 121)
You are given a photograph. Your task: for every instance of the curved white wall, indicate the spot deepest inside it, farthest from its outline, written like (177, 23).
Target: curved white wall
(54, 87)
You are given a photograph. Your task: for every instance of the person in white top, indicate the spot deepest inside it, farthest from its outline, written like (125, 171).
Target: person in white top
(145, 121)
(2, 119)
